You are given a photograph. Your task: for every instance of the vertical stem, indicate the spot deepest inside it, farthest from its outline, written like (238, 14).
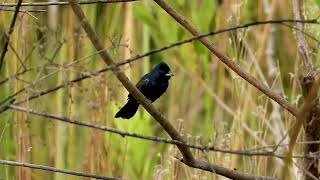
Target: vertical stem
(60, 127)
(23, 132)
(74, 53)
(127, 39)
(146, 44)
(53, 15)
(301, 41)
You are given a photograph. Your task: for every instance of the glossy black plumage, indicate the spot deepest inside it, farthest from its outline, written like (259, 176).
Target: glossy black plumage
(152, 86)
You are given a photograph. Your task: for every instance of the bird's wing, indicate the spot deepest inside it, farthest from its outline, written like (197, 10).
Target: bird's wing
(142, 84)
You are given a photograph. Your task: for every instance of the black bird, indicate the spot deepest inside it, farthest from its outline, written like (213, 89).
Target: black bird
(152, 86)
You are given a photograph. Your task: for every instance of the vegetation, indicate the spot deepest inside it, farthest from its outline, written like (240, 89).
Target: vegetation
(208, 103)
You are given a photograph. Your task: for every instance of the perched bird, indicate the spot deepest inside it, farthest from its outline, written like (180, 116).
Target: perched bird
(152, 86)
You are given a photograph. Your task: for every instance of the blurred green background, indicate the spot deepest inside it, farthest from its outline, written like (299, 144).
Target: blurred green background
(206, 102)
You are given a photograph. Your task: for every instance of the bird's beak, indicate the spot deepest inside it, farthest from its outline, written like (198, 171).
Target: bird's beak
(169, 74)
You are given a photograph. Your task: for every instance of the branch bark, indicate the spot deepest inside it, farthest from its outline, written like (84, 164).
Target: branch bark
(308, 82)
(229, 173)
(311, 101)
(311, 126)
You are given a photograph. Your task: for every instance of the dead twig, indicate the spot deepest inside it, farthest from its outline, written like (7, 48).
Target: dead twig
(8, 34)
(53, 169)
(64, 3)
(21, 10)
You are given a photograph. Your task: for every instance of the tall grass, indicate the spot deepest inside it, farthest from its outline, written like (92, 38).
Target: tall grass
(208, 103)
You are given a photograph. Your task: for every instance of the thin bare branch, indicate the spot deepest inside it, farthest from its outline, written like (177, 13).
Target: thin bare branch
(229, 173)
(226, 60)
(137, 57)
(33, 84)
(14, 76)
(64, 3)
(8, 34)
(5, 106)
(21, 10)
(303, 32)
(283, 22)
(310, 175)
(53, 169)
(167, 126)
(154, 138)
(234, 174)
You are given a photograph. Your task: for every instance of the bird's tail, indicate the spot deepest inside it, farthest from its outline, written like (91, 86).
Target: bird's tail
(128, 110)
